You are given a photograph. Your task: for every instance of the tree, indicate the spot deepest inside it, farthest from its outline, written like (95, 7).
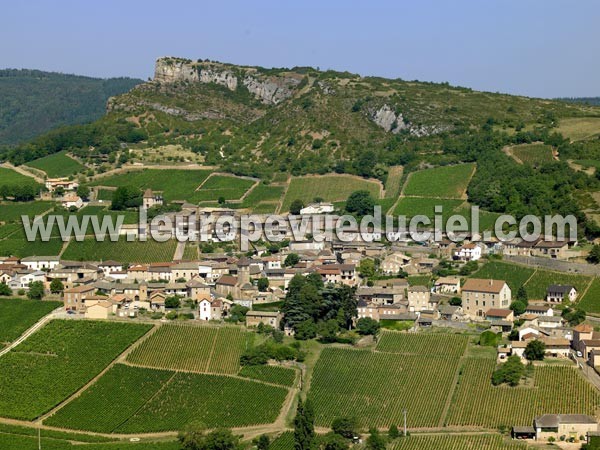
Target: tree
(393, 433)
(510, 372)
(305, 330)
(375, 441)
(262, 284)
(333, 441)
(522, 295)
(56, 286)
(367, 326)
(220, 439)
(221, 200)
(83, 191)
(291, 260)
(304, 426)
(5, 289)
(573, 316)
(328, 330)
(535, 350)
(518, 307)
(126, 197)
(344, 426)
(296, 206)
(263, 442)
(455, 301)
(366, 163)
(36, 290)
(366, 268)
(360, 203)
(489, 338)
(594, 255)
(172, 302)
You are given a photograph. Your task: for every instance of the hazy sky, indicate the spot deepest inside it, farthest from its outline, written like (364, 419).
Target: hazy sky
(543, 48)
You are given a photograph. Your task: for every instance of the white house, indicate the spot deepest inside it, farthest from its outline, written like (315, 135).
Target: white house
(556, 293)
(317, 208)
(40, 262)
(54, 183)
(447, 285)
(109, 267)
(72, 200)
(468, 252)
(22, 281)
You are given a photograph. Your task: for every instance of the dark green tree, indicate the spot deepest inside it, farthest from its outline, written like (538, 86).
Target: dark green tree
(535, 350)
(36, 290)
(262, 284)
(296, 206)
(393, 433)
(304, 427)
(522, 295)
(291, 260)
(333, 441)
(366, 326)
(375, 441)
(172, 302)
(5, 290)
(126, 197)
(56, 286)
(220, 439)
(263, 442)
(594, 255)
(518, 307)
(360, 203)
(345, 426)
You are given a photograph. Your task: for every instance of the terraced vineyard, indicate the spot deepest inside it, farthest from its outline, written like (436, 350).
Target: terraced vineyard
(57, 165)
(271, 374)
(192, 348)
(457, 442)
(590, 302)
(477, 403)
(12, 211)
(539, 282)
(56, 361)
(444, 181)
(375, 387)
(514, 275)
(422, 344)
(413, 206)
(17, 315)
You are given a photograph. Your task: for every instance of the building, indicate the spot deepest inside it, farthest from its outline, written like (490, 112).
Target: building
(557, 293)
(317, 208)
(447, 285)
(338, 273)
(539, 310)
(568, 425)
(393, 264)
(74, 298)
(468, 252)
(480, 295)
(72, 200)
(41, 262)
(150, 199)
(54, 183)
(271, 318)
(499, 314)
(418, 298)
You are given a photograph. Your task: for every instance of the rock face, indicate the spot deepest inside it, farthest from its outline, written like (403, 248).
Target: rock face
(387, 119)
(268, 89)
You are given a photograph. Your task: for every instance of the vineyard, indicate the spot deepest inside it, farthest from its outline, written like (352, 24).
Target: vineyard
(57, 165)
(271, 374)
(590, 302)
(12, 212)
(556, 388)
(23, 442)
(191, 348)
(17, 315)
(413, 206)
(541, 279)
(375, 387)
(457, 442)
(444, 181)
(136, 251)
(532, 154)
(285, 441)
(423, 344)
(514, 275)
(56, 361)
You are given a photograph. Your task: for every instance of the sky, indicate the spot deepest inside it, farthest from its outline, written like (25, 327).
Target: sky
(539, 48)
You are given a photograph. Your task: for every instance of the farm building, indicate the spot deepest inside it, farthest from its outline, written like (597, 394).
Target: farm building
(569, 425)
(481, 295)
(271, 318)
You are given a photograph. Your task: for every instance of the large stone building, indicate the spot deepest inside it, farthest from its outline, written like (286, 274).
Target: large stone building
(481, 295)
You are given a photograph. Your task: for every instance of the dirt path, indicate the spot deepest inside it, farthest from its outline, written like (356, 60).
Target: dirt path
(178, 256)
(390, 211)
(285, 191)
(22, 171)
(455, 381)
(36, 326)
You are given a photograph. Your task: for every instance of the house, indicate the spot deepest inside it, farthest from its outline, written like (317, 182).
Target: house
(365, 309)
(447, 285)
(210, 309)
(54, 183)
(556, 293)
(549, 321)
(381, 295)
(480, 295)
(552, 249)
(317, 208)
(74, 298)
(41, 262)
(539, 310)
(72, 200)
(109, 267)
(468, 252)
(568, 425)
(98, 308)
(556, 347)
(150, 199)
(271, 318)
(499, 314)
(449, 312)
(418, 298)
(338, 273)
(583, 332)
(393, 264)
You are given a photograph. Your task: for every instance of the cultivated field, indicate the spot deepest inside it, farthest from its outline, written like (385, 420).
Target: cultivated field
(579, 128)
(56, 361)
(393, 182)
(541, 279)
(17, 315)
(513, 274)
(12, 212)
(532, 154)
(192, 348)
(413, 206)
(375, 387)
(228, 187)
(444, 182)
(57, 165)
(16, 245)
(331, 188)
(271, 374)
(136, 251)
(590, 302)
(477, 403)
(263, 199)
(9, 176)
(457, 442)
(134, 400)
(422, 344)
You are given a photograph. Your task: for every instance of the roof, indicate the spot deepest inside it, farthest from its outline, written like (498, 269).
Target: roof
(418, 289)
(523, 430)
(498, 312)
(549, 319)
(40, 258)
(560, 288)
(448, 309)
(584, 328)
(447, 280)
(110, 263)
(262, 313)
(79, 289)
(484, 285)
(227, 280)
(554, 420)
(538, 308)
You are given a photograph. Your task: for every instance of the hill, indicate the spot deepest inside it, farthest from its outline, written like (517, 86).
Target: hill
(34, 101)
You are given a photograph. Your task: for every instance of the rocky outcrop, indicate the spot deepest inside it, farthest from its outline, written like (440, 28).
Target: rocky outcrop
(387, 119)
(114, 105)
(271, 89)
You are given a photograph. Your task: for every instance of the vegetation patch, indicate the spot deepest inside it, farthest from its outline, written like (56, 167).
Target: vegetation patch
(271, 374)
(136, 251)
(514, 275)
(458, 441)
(57, 165)
(444, 181)
(18, 315)
(532, 154)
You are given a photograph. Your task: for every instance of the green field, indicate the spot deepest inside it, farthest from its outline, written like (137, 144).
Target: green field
(15, 245)
(514, 275)
(9, 441)
(457, 442)
(393, 182)
(285, 441)
(58, 360)
(136, 251)
(422, 344)
(331, 188)
(541, 279)
(105, 194)
(12, 212)
(192, 348)
(413, 206)
(57, 165)
(374, 387)
(228, 187)
(444, 182)
(9, 176)
(136, 400)
(533, 154)
(590, 302)
(477, 403)
(175, 184)
(263, 199)
(17, 315)
(271, 374)
(579, 128)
